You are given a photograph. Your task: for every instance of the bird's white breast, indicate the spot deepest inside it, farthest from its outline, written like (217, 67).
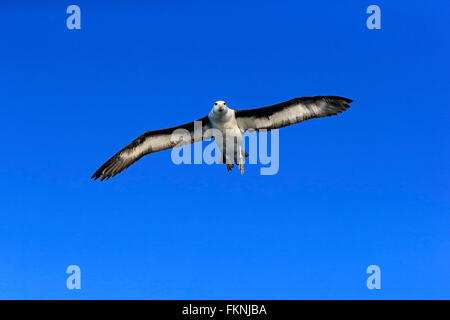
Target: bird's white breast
(227, 122)
(228, 127)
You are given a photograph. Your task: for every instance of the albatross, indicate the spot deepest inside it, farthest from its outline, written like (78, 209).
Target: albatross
(232, 124)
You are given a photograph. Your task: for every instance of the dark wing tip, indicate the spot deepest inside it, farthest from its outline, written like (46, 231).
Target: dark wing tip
(109, 169)
(114, 166)
(339, 103)
(341, 99)
(347, 100)
(335, 104)
(336, 100)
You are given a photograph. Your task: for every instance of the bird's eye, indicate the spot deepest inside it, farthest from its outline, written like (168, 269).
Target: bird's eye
(224, 104)
(215, 103)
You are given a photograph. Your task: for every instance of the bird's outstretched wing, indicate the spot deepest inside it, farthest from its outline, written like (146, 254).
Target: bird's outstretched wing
(153, 141)
(290, 112)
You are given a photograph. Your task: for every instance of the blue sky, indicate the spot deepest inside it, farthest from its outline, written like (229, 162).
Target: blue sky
(370, 186)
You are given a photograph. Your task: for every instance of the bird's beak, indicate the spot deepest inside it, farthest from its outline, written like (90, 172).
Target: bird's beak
(221, 108)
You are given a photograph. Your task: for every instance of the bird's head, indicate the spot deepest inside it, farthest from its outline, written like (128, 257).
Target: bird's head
(220, 108)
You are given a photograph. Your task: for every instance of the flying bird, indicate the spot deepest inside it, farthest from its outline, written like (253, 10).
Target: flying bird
(231, 124)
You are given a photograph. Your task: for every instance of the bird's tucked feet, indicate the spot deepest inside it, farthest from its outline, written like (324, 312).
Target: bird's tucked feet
(230, 166)
(241, 168)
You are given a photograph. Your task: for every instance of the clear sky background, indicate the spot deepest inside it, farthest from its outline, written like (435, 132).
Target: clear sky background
(370, 186)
